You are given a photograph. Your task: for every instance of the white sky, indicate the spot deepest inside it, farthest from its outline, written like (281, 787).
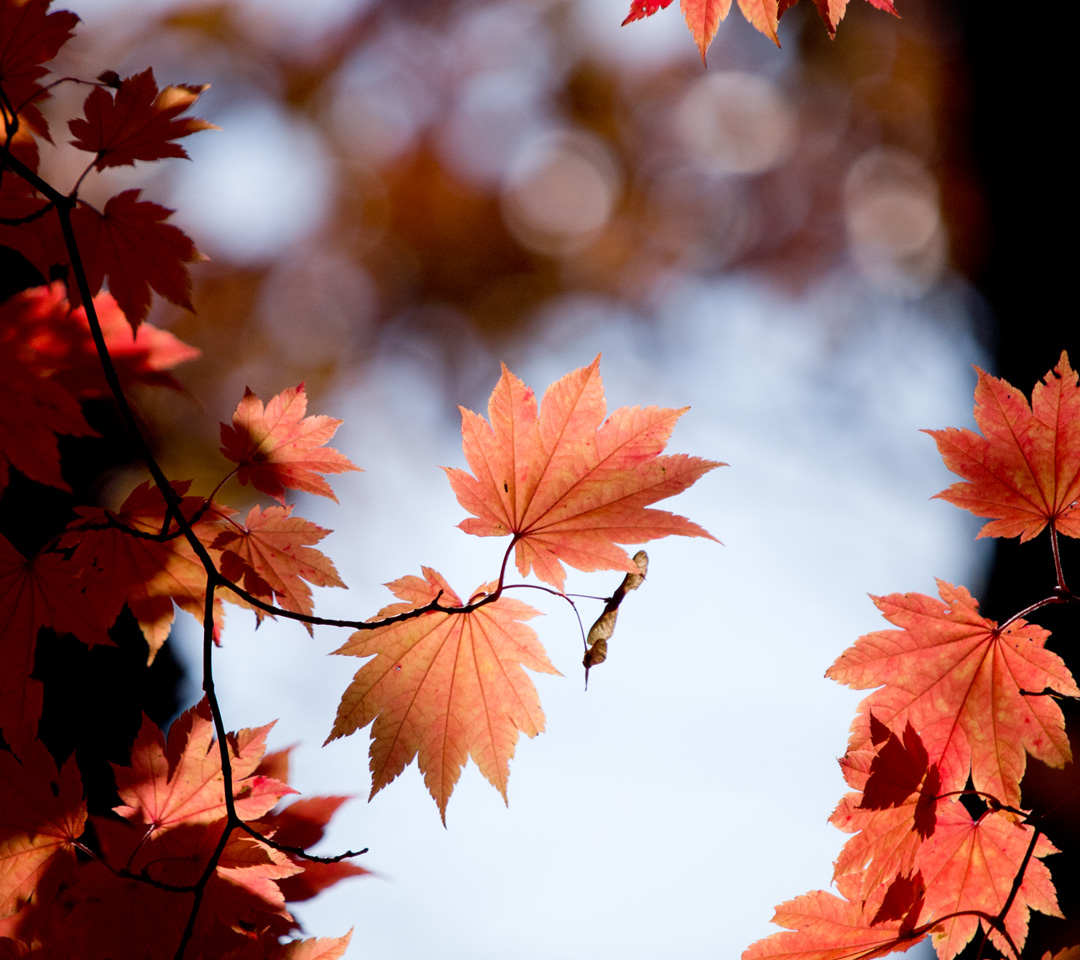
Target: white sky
(668, 809)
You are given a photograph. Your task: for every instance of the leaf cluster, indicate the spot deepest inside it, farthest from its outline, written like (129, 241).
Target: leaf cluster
(204, 851)
(942, 845)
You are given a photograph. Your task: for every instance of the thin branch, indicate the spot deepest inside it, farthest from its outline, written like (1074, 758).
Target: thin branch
(1058, 571)
(1037, 605)
(299, 851)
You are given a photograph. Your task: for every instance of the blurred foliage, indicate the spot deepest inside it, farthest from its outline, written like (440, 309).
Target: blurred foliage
(446, 177)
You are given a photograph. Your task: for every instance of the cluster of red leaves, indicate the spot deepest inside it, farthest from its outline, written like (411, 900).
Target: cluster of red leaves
(703, 17)
(128, 885)
(102, 888)
(124, 120)
(960, 704)
(133, 896)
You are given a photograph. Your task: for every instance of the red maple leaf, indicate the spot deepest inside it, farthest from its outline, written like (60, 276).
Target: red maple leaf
(974, 692)
(33, 411)
(444, 686)
(302, 824)
(42, 814)
(124, 565)
(131, 244)
(703, 17)
(271, 554)
(137, 122)
(54, 340)
(47, 591)
(1024, 470)
(323, 948)
(568, 485)
(30, 36)
(113, 915)
(277, 447)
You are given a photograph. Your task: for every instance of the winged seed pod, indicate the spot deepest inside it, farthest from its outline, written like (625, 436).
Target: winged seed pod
(601, 631)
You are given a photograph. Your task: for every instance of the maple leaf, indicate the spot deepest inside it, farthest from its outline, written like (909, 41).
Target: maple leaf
(277, 447)
(832, 11)
(891, 819)
(970, 865)
(324, 948)
(302, 824)
(822, 926)
(147, 574)
(46, 591)
(444, 686)
(973, 692)
(138, 123)
(567, 487)
(42, 814)
(29, 37)
(271, 554)
(117, 916)
(54, 340)
(181, 782)
(1024, 471)
(33, 411)
(703, 17)
(132, 245)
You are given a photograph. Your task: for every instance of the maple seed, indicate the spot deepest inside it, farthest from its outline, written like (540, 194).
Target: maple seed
(601, 631)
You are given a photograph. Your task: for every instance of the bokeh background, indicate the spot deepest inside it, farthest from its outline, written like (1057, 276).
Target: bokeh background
(810, 246)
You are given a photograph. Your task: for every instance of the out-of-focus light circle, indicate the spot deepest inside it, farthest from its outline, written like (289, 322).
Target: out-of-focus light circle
(332, 288)
(893, 220)
(560, 191)
(493, 117)
(389, 92)
(736, 123)
(256, 191)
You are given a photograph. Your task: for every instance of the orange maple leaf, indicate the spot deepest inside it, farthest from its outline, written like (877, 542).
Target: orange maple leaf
(41, 815)
(891, 819)
(444, 686)
(124, 916)
(568, 488)
(822, 926)
(970, 865)
(271, 554)
(138, 123)
(1024, 471)
(180, 782)
(277, 447)
(703, 17)
(125, 565)
(974, 692)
